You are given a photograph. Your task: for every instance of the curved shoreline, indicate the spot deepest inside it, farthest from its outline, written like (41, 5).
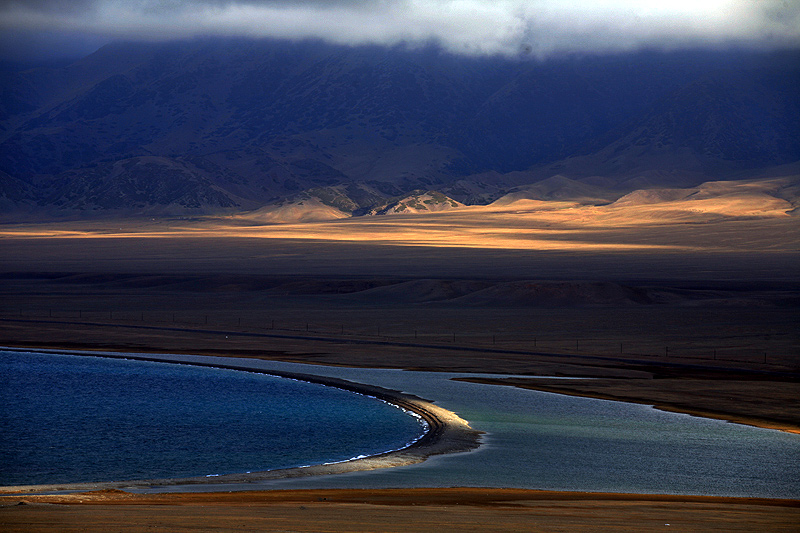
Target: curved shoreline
(447, 433)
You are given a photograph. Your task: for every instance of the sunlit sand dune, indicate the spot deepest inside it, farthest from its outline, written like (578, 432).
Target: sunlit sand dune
(715, 216)
(309, 210)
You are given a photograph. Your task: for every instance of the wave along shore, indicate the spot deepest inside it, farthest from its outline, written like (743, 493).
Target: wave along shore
(446, 433)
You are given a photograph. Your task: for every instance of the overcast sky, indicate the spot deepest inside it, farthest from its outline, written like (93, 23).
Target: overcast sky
(539, 27)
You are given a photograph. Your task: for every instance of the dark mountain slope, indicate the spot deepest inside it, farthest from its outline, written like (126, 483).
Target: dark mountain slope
(244, 123)
(728, 119)
(548, 111)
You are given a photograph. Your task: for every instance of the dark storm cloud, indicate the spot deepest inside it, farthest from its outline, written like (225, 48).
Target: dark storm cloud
(539, 27)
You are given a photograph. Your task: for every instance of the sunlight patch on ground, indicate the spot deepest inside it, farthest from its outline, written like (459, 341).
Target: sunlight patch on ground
(655, 220)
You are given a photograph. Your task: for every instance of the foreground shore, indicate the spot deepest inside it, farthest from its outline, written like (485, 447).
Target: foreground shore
(400, 510)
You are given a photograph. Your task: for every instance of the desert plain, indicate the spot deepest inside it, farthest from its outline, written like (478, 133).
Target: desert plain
(690, 304)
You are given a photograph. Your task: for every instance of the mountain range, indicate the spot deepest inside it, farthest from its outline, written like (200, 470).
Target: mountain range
(229, 125)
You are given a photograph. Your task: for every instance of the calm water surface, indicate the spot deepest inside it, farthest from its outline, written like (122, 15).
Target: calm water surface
(547, 441)
(66, 418)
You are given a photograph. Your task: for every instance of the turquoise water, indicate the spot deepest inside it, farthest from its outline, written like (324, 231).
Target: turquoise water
(534, 440)
(66, 418)
(539, 440)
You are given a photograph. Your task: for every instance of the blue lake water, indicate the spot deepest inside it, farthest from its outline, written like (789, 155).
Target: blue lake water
(539, 440)
(66, 418)
(545, 441)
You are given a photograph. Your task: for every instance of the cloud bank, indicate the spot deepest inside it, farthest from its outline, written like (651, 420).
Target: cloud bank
(508, 27)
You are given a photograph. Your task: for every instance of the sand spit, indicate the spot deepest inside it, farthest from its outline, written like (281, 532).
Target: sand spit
(447, 433)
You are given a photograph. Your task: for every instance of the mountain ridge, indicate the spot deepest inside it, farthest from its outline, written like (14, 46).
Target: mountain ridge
(230, 125)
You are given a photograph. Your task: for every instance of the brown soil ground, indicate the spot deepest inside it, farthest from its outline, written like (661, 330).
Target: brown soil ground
(394, 511)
